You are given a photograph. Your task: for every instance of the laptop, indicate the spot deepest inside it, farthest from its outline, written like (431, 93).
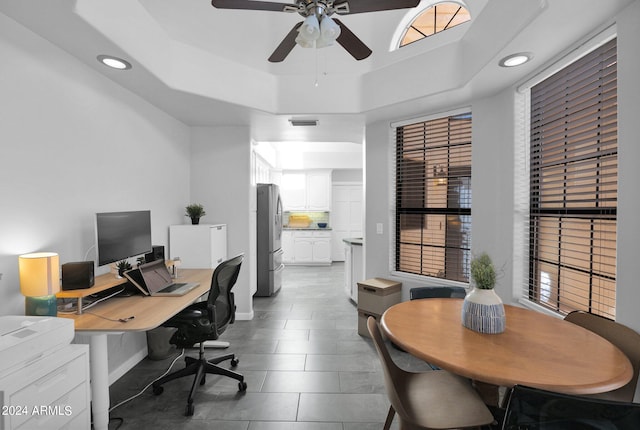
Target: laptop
(154, 279)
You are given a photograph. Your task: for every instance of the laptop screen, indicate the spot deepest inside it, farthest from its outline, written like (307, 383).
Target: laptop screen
(156, 276)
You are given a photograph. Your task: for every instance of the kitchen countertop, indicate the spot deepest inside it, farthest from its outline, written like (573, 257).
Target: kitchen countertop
(353, 240)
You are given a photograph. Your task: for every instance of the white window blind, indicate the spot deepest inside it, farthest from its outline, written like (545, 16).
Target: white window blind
(573, 186)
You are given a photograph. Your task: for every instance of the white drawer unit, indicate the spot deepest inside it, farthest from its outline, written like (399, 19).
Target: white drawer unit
(50, 392)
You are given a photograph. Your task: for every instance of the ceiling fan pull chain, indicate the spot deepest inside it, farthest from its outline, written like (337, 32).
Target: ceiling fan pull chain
(316, 83)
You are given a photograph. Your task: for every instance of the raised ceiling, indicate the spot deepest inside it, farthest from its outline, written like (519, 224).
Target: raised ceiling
(207, 66)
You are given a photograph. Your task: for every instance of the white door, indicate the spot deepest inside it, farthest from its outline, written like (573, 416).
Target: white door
(346, 217)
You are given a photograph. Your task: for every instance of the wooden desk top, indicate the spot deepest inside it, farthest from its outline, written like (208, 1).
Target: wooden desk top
(148, 312)
(536, 350)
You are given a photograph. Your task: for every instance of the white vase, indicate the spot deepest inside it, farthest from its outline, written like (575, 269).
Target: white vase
(483, 311)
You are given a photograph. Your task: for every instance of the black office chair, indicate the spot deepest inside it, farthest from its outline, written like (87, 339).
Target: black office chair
(535, 409)
(203, 321)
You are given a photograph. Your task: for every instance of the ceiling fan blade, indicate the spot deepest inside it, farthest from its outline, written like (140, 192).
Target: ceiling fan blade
(351, 43)
(287, 44)
(360, 6)
(254, 5)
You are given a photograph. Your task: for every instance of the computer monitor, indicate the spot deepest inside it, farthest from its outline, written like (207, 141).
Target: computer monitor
(121, 235)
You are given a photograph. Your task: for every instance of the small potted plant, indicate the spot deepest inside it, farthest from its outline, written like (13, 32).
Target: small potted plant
(483, 310)
(195, 211)
(483, 273)
(122, 267)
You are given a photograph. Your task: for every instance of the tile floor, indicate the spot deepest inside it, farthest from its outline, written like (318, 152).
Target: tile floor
(305, 365)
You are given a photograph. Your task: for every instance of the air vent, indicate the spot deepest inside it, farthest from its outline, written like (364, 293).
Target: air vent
(304, 122)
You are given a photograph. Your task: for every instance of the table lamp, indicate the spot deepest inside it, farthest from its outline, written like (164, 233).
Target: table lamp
(39, 282)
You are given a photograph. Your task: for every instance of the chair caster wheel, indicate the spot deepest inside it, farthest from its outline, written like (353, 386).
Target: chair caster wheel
(188, 411)
(158, 390)
(242, 386)
(234, 362)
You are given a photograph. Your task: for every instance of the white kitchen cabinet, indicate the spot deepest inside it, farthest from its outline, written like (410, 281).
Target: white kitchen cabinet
(306, 190)
(201, 246)
(319, 190)
(303, 250)
(51, 392)
(354, 266)
(322, 249)
(287, 246)
(309, 247)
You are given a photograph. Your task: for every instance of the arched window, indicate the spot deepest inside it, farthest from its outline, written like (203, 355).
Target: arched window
(435, 19)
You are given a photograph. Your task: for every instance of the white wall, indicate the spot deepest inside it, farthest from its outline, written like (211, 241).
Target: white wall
(220, 181)
(628, 273)
(493, 173)
(347, 175)
(73, 144)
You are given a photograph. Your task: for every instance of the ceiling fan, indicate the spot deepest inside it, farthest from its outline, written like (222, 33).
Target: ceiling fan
(319, 29)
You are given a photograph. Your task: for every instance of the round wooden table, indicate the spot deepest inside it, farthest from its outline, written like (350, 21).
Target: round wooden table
(535, 350)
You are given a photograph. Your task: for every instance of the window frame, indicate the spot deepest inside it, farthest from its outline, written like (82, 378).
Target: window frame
(394, 216)
(522, 246)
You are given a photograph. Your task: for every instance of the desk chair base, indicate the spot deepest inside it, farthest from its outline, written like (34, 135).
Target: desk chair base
(200, 367)
(217, 344)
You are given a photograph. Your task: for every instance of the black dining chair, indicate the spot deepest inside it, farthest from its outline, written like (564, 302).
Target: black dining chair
(534, 409)
(443, 292)
(435, 292)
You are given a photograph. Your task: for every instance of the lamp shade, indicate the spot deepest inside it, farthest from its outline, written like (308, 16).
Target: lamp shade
(308, 32)
(39, 274)
(329, 31)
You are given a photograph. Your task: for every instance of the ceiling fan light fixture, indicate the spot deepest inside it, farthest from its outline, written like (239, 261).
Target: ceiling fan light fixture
(329, 30)
(310, 29)
(303, 43)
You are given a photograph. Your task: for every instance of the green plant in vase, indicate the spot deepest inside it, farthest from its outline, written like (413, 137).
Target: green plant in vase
(195, 211)
(483, 273)
(482, 310)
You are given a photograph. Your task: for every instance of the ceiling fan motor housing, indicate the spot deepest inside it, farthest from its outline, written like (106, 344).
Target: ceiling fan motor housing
(320, 8)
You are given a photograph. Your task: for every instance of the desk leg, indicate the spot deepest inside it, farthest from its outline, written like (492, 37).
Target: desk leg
(98, 354)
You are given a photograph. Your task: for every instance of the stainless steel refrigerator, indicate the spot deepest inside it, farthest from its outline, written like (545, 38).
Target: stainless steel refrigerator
(269, 234)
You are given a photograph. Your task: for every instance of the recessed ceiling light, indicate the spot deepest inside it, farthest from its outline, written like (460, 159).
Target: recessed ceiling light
(114, 62)
(516, 59)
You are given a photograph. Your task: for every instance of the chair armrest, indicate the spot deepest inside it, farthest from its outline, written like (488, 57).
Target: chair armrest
(232, 308)
(213, 317)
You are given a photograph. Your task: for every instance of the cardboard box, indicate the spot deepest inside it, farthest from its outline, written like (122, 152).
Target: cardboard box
(362, 322)
(376, 295)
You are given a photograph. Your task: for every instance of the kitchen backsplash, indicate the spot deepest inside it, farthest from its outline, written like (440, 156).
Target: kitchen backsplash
(301, 219)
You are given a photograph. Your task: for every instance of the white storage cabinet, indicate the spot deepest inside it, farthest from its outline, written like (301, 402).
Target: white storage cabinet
(51, 392)
(202, 246)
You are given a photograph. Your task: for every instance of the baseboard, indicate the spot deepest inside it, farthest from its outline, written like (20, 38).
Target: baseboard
(244, 316)
(127, 365)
